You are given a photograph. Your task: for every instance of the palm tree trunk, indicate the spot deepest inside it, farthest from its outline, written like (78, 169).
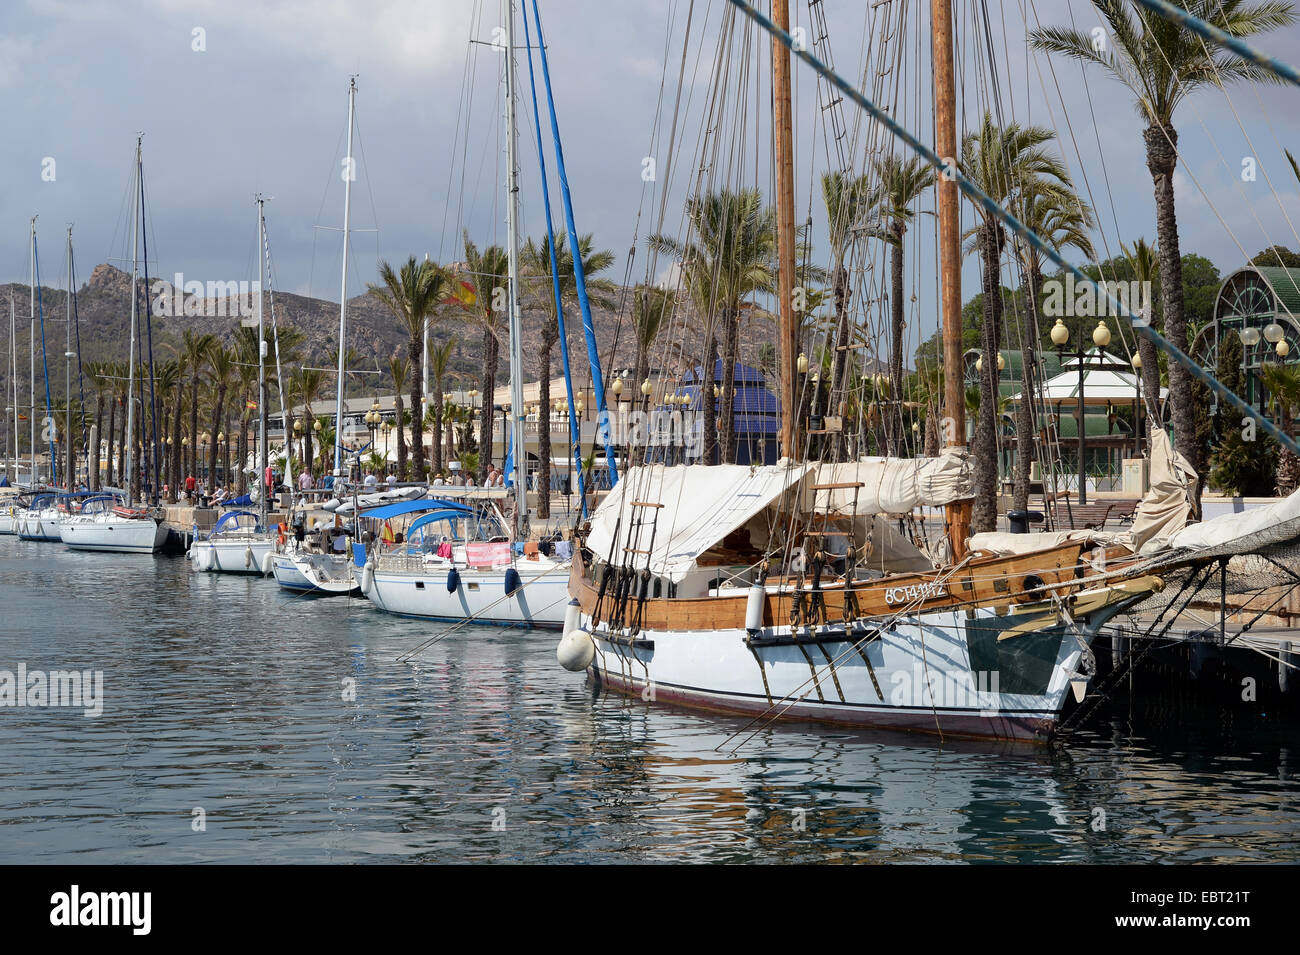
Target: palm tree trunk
(241, 455)
(543, 485)
(216, 429)
(401, 434)
(1162, 159)
(99, 436)
(731, 348)
(984, 512)
(177, 449)
(485, 421)
(1025, 412)
(439, 410)
(893, 416)
(194, 424)
(708, 410)
(414, 349)
(122, 477)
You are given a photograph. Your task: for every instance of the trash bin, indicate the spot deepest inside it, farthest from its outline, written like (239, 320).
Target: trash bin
(1020, 520)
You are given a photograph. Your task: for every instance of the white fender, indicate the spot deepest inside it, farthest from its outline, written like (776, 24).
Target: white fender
(367, 577)
(576, 650)
(754, 608)
(572, 616)
(248, 557)
(267, 563)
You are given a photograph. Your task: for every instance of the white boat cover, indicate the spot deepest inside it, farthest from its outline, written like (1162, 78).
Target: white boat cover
(1010, 545)
(701, 506)
(890, 485)
(1258, 527)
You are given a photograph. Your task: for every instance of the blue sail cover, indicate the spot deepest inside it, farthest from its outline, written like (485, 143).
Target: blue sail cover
(231, 519)
(386, 511)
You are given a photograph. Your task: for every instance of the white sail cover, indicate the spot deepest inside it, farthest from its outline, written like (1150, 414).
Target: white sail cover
(1165, 508)
(890, 485)
(1258, 527)
(701, 506)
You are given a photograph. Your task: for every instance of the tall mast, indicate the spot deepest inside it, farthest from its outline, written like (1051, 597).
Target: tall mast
(69, 470)
(31, 340)
(261, 374)
(956, 516)
(349, 172)
(512, 248)
(13, 377)
(132, 482)
(785, 227)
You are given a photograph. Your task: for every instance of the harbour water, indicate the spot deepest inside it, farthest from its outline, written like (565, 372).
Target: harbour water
(242, 724)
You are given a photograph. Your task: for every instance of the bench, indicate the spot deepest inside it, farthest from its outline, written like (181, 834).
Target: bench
(1093, 516)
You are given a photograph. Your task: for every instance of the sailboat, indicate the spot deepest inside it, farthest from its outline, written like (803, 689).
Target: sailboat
(123, 527)
(462, 565)
(297, 565)
(240, 542)
(39, 521)
(782, 591)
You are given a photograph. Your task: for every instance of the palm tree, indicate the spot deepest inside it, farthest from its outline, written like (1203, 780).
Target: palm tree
(900, 183)
(96, 377)
(651, 306)
(168, 377)
(397, 370)
(488, 271)
(1144, 259)
(1063, 222)
(118, 372)
(848, 201)
(221, 367)
(1162, 63)
(195, 349)
(1003, 161)
(730, 259)
(538, 259)
(439, 359)
(306, 387)
(412, 295)
(1283, 385)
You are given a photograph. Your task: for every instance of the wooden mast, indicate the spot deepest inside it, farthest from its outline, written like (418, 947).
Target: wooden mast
(956, 516)
(785, 227)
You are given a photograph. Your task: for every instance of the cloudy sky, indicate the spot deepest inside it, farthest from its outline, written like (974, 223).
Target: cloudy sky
(236, 98)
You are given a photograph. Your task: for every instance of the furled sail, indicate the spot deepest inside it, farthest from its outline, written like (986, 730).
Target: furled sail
(889, 485)
(1165, 508)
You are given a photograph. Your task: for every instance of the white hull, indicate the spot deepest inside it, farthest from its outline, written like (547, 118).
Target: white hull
(6, 523)
(231, 556)
(940, 673)
(117, 535)
(43, 526)
(320, 574)
(540, 602)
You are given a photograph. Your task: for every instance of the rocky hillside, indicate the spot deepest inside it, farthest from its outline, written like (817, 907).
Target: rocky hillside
(104, 311)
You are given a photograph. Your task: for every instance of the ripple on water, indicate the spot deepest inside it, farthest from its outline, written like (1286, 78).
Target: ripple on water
(227, 696)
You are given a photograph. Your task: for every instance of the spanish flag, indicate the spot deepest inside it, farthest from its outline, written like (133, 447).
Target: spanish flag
(251, 405)
(464, 294)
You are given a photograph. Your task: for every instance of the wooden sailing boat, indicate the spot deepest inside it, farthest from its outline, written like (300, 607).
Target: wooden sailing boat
(779, 591)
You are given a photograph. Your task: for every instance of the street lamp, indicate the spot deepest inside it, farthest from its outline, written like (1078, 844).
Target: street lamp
(1100, 338)
(1139, 416)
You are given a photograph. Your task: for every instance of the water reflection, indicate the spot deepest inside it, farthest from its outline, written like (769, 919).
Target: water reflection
(289, 722)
